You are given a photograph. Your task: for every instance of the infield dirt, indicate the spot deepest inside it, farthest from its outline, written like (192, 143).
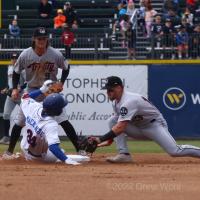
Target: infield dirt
(151, 176)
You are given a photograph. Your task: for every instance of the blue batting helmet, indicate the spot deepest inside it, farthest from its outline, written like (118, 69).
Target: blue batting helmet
(53, 104)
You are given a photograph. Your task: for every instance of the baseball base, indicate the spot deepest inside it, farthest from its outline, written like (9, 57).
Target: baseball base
(79, 158)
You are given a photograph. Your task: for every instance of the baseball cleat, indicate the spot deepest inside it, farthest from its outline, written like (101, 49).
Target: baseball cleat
(120, 158)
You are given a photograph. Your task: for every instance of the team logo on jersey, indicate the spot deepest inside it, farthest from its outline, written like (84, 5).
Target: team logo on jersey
(123, 111)
(174, 98)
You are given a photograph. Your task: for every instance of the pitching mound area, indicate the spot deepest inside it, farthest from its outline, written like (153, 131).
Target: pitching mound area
(152, 176)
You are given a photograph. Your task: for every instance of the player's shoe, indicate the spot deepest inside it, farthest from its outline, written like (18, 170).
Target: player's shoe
(120, 158)
(9, 156)
(69, 161)
(5, 140)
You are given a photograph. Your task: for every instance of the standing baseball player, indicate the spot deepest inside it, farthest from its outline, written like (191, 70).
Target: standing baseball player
(40, 62)
(136, 116)
(10, 103)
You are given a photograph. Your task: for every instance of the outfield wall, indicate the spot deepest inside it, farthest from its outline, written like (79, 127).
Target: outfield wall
(173, 88)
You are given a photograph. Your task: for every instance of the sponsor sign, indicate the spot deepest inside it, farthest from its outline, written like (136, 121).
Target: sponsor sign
(175, 90)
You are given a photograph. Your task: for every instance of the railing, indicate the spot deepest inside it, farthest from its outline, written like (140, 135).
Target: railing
(100, 46)
(88, 46)
(166, 47)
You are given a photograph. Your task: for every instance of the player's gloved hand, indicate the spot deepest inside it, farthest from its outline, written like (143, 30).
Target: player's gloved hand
(69, 161)
(10, 156)
(51, 87)
(88, 144)
(4, 91)
(105, 143)
(46, 85)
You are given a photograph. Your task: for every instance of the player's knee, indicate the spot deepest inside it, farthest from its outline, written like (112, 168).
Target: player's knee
(19, 123)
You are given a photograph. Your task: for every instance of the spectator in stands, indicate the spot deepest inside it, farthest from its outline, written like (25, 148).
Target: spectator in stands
(172, 15)
(123, 3)
(171, 5)
(157, 33)
(45, 9)
(189, 28)
(14, 29)
(67, 39)
(141, 17)
(59, 20)
(182, 41)
(71, 16)
(130, 8)
(195, 45)
(147, 3)
(188, 16)
(149, 16)
(157, 28)
(131, 39)
(124, 26)
(122, 10)
(168, 39)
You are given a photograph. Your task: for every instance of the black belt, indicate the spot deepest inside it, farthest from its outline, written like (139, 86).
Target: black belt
(153, 120)
(38, 156)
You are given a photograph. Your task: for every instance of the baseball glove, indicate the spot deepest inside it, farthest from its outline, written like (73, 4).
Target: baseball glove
(55, 87)
(87, 144)
(6, 91)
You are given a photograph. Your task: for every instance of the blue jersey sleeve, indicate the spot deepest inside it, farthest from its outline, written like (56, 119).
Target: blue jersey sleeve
(55, 149)
(34, 94)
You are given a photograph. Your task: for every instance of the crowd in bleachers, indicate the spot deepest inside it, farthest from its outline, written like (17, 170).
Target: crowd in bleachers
(172, 32)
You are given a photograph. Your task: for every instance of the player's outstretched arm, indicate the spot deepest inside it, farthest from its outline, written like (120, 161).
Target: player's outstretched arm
(34, 94)
(55, 149)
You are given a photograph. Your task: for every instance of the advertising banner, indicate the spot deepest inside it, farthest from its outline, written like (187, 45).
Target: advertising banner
(175, 90)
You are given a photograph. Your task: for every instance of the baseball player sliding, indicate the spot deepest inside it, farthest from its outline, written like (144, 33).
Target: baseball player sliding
(134, 116)
(40, 140)
(40, 62)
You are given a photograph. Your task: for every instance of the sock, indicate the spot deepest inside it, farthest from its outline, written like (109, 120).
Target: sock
(15, 134)
(6, 127)
(71, 133)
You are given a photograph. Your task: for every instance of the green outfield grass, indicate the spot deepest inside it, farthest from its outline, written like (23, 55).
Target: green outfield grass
(134, 147)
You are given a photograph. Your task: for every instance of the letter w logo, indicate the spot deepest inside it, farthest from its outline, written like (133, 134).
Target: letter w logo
(174, 98)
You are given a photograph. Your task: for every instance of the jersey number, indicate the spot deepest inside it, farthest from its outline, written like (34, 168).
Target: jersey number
(30, 138)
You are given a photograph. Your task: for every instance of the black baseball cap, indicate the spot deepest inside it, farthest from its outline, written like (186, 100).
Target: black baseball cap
(111, 82)
(40, 32)
(14, 56)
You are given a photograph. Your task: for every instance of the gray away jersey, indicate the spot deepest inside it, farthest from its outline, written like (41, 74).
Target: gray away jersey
(40, 68)
(135, 108)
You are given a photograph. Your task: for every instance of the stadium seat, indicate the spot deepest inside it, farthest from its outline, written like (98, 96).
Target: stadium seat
(24, 4)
